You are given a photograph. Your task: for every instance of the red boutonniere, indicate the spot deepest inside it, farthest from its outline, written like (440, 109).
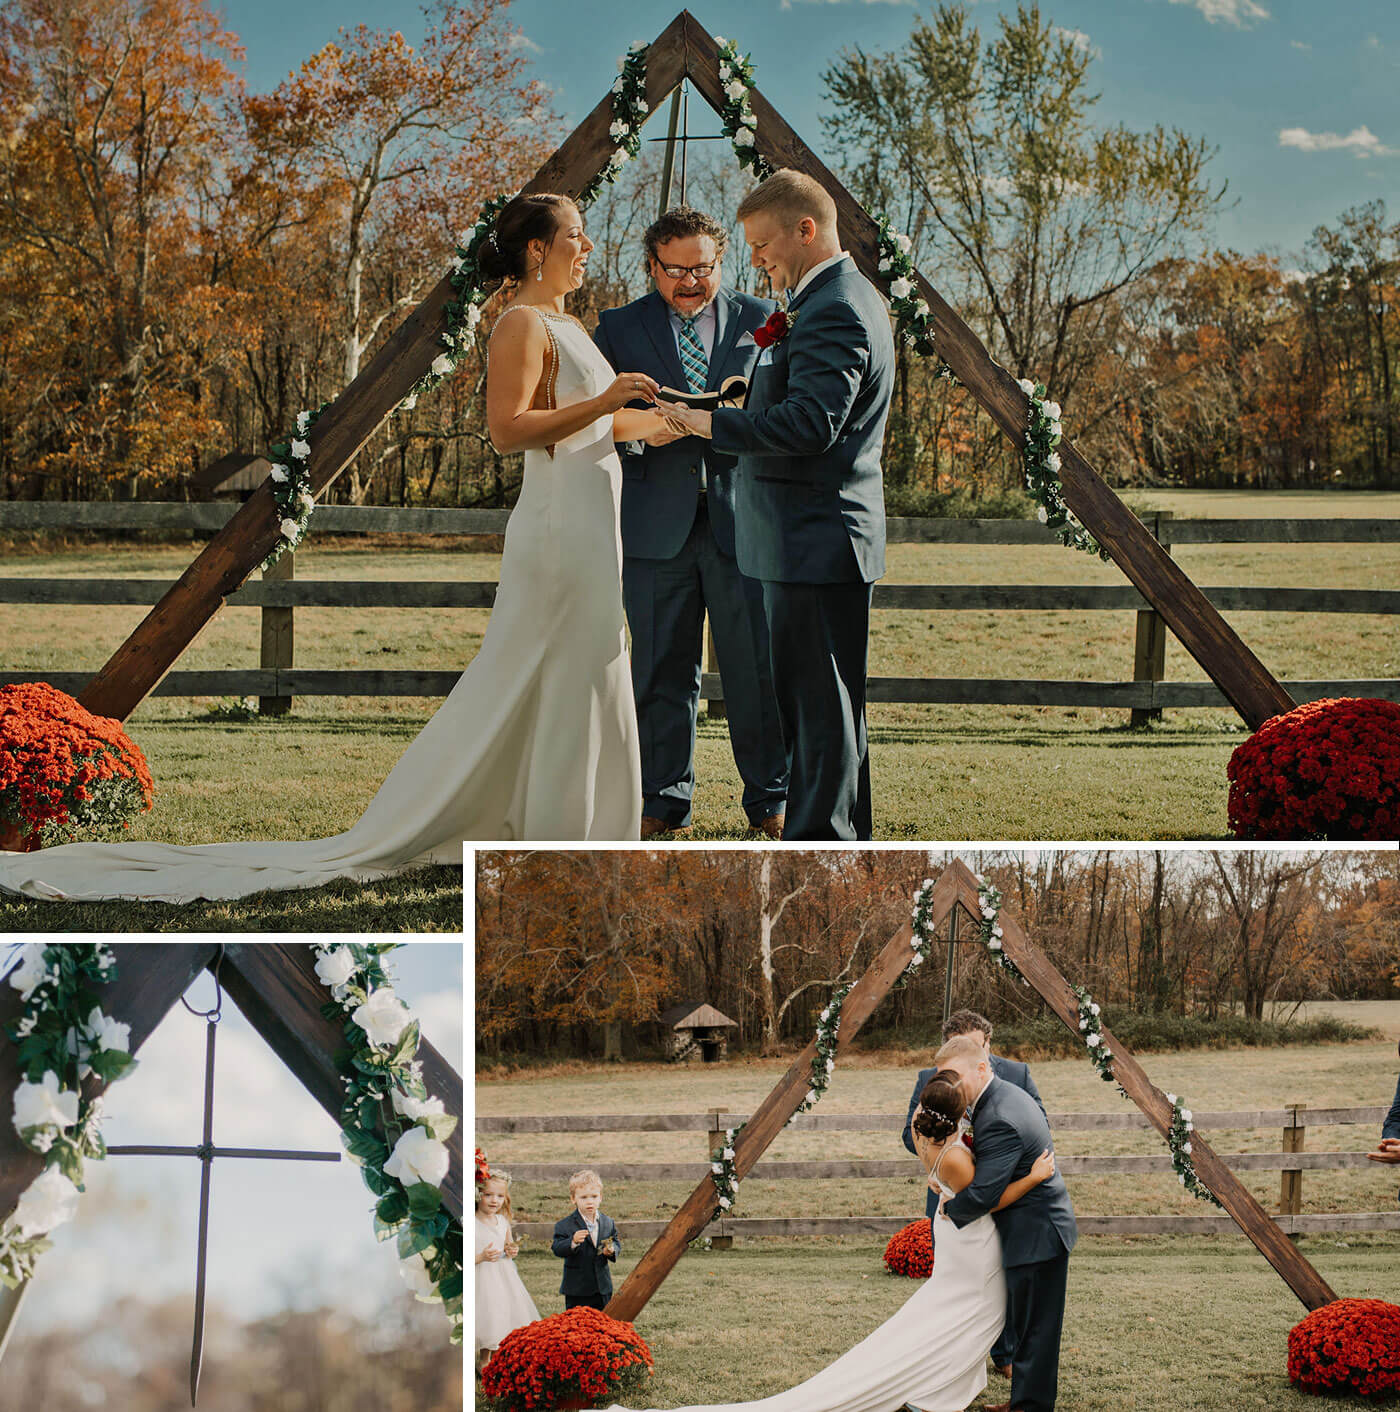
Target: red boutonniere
(777, 328)
(967, 1139)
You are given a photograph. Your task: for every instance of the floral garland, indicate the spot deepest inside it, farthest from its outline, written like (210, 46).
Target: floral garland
(1179, 1141)
(1091, 1027)
(62, 1036)
(722, 1173)
(921, 942)
(291, 486)
(911, 311)
(1041, 464)
(990, 934)
(630, 111)
(737, 118)
(390, 1126)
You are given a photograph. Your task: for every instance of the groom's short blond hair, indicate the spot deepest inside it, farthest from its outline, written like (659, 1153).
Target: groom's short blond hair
(961, 1047)
(790, 195)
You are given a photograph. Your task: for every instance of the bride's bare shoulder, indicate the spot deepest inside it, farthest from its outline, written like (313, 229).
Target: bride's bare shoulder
(957, 1168)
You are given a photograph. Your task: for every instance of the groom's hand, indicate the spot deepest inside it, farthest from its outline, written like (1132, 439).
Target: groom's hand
(691, 420)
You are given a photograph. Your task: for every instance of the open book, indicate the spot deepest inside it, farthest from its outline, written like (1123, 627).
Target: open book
(731, 393)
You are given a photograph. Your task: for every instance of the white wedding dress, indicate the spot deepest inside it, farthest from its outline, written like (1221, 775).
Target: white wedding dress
(932, 1352)
(537, 740)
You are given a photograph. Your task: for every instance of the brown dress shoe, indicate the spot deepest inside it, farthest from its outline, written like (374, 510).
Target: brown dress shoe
(653, 827)
(772, 826)
(1003, 1368)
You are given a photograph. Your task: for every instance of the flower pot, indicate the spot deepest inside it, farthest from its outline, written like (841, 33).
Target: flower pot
(13, 841)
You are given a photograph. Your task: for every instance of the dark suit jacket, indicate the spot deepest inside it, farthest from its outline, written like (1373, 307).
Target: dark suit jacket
(661, 485)
(1391, 1126)
(1010, 1132)
(1012, 1070)
(809, 502)
(585, 1271)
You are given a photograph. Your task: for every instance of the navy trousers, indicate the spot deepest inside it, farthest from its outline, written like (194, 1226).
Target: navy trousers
(666, 601)
(1036, 1299)
(819, 635)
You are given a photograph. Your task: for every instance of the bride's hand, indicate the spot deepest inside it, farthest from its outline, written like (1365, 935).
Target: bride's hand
(628, 387)
(1043, 1168)
(692, 419)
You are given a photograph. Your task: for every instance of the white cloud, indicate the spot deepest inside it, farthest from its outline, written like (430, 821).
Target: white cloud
(1373, 41)
(1079, 39)
(1299, 44)
(1240, 13)
(520, 40)
(1360, 140)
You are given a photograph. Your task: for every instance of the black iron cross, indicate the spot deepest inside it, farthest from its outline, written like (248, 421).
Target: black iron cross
(680, 117)
(207, 1152)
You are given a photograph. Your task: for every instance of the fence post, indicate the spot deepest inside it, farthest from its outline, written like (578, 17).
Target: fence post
(1150, 648)
(277, 638)
(714, 706)
(1290, 1201)
(715, 1146)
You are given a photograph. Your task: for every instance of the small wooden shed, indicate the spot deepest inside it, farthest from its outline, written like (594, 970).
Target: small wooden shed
(694, 1030)
(232, 477)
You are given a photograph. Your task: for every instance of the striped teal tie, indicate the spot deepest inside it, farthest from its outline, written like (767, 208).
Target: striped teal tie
(693, 359)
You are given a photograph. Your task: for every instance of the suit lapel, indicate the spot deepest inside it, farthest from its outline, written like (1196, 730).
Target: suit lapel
(656, 319)
(726, 331)
(841, 267)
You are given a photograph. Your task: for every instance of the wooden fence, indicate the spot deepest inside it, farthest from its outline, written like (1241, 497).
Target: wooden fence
(1291, 1161)
(277, 679)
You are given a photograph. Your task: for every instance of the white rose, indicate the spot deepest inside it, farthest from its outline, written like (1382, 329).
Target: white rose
(1094, 1006)
(720, 41)
(107, 1033)
(725, 1202)
(1182, 1178)
(1186, 1115)
(442, 365)
(457, 263)
(1055, 429)
(830, 1065)
(988, 911)
(996, 929)
(1190, 1127)
(728, 1154)
(717, 1168)
(30, 971)
(826, 1014)
(279, 474)
(303, 421)
(1053, 461)
(618, 130)
(900, 288)
(383, 1017)
(413, 1271)
(409, 402)
(637, 46)
(643, 106)
(1052, 410)
(300, 450)
(904, 243)
(1027, 386)
(1041, 515)
(1186, 1147)
(917, 961)
(50, 1200)
(748, 118)
(812, 1096)
(1093, 1040)
(415, 1108)
(621, 62)
(734, 89)
(306, 500)
(418, 1157)
(744, 137)
(1171, 1098)
(724, 72)
(43, 1105)
(617, 86)
(336, 966)
(994, 945)
(886, 264)
(290, 530)
(921, 306)
(1083, 1023)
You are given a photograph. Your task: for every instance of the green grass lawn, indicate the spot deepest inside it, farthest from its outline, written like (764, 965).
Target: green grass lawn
(940, 772)
(1153, 1324)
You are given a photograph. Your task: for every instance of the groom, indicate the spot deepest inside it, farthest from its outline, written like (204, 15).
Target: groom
(809, 506)
(1037, 1232)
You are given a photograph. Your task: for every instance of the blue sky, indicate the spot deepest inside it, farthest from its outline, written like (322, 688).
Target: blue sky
(1302, 99)
(264, 1252)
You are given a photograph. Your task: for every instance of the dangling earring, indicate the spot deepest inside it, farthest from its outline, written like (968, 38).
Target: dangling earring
(539, 274)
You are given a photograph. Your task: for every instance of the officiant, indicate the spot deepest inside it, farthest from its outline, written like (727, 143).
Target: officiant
(691, 334)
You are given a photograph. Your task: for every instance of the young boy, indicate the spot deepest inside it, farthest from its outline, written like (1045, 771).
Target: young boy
(586, 1241)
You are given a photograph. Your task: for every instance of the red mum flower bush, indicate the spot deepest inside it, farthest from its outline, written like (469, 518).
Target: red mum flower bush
(575, 1359)
(1347, 1346)
(64, 770)
(1327, 770)
(910, 1251)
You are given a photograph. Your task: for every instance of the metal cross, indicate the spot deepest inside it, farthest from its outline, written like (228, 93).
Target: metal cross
(680, 117)
(207, 1152)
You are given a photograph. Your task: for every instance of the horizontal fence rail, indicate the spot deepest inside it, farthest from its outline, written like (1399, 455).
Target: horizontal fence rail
(277, 681)
(1291, 1162)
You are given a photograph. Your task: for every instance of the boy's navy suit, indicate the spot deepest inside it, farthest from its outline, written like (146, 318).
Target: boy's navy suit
(586, 1274)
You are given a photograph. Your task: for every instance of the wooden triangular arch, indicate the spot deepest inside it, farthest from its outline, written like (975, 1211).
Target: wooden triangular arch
(957, 887)
(276, 988)
(683, 50)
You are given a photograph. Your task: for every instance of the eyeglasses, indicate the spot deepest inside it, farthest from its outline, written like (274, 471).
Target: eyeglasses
(680, 271)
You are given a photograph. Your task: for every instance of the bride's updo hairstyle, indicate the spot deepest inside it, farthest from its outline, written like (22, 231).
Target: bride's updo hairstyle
(940, 1106)
(504, 255)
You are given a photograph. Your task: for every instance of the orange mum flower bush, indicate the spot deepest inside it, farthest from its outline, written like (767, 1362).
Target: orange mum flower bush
(64, 771)
(1347, 1346)
(575, 1359)
(910, 1251)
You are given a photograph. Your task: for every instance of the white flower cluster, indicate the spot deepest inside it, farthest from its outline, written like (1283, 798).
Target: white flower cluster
(48, 1115)
(911, 310)
(291, 488)
(1040, 464)
(722, 1173)
(991, 933)
(420, 1155)
(1091, 1029)
(824, 1059)
(1179, 1141)
(630, 109)
(737, 117)
(921, 927)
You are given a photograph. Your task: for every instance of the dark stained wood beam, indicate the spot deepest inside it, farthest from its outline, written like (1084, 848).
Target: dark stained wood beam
(769, 1119)
(139, 665)
(1236, 1198)
(1245, 681)
(275, 986)
(151, 978)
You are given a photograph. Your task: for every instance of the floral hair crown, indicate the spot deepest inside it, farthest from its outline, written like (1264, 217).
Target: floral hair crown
(483, 1171)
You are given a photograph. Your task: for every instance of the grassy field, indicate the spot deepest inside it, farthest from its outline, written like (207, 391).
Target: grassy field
(940, 772)
(1154, 1324)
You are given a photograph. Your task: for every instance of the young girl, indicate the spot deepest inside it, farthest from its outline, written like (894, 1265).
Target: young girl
(502, 1301)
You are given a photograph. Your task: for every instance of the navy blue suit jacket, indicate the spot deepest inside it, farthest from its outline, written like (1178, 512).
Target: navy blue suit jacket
(585, 1270)
(1391, 1126)
(1012, 1070)
(661, 485)
(1009, 1132)
(809, 500)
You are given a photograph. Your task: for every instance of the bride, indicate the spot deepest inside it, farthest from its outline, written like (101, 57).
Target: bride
(538, 739)
(931, 1354)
